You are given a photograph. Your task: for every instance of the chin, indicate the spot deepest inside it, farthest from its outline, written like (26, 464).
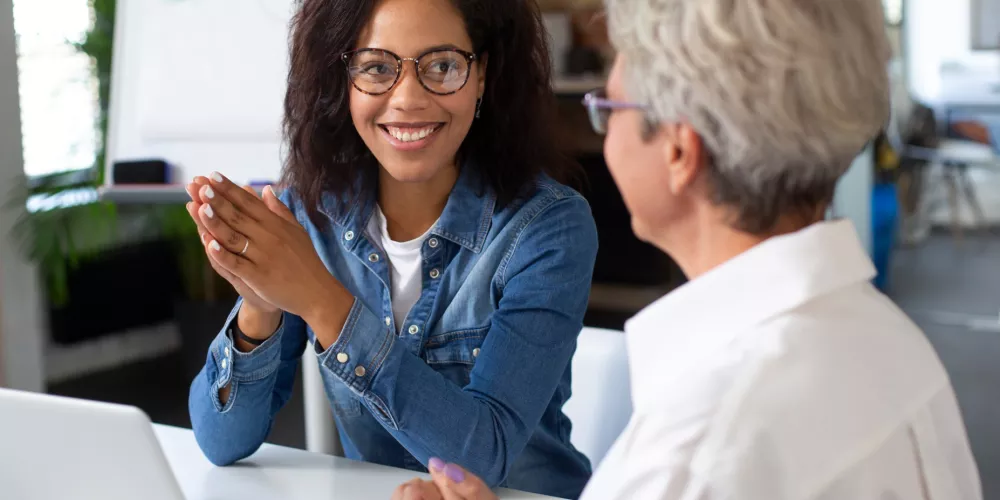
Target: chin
(640, 230)
(412, 171)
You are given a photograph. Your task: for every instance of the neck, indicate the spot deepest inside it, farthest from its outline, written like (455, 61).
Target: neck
(411, 208)
(707, 241)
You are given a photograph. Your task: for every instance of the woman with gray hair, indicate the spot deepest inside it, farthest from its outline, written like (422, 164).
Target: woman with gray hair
(778, 371)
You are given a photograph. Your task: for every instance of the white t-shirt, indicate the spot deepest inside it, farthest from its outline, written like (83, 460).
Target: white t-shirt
(406, 271)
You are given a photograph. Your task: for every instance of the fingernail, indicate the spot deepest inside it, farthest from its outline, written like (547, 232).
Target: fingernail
(436, 464)
(215, 246)
(269, 190)
(209, 193)
(454, 473)
(203, 236)
(217, 177)
(209, 212)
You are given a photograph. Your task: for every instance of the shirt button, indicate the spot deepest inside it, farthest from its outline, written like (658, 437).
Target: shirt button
(475, 353)
(226, 352)
(342, 357)
(224, 364)
(349, 235)
(359, 371)
(435, 273)
(388, 321)
(433, 242)
(373, 257)
(414, 329)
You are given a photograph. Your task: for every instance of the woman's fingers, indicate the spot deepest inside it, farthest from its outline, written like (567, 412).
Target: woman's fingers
(236, 265)
(277, 207)
(233, 240)
(417, 489)
(455, 483)
(246, 202)
(223, 209)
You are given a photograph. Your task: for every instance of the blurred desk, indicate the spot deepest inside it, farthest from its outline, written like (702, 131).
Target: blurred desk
(285, 473)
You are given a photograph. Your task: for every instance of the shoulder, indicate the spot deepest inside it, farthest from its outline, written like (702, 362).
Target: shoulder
(549, 220)
(819, 383)
(546, 204)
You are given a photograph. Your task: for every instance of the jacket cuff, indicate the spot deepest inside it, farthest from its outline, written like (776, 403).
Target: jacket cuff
(232, 364)
(357, 355)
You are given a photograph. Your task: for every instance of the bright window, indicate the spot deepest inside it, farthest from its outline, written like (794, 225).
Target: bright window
(893, 11)
(58, 88)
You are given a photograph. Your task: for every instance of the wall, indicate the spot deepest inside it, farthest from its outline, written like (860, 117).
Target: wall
(941, 64)
(853, 199)
(22, 328)
(942, 69)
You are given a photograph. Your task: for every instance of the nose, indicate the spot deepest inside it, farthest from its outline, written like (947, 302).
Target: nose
(409, 94)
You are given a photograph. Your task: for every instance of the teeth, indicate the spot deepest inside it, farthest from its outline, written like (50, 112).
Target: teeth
(411, 135)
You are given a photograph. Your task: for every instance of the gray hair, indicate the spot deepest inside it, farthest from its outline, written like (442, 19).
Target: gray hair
(783, 93)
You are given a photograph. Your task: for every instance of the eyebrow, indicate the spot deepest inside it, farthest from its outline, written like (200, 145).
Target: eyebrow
(446, 46)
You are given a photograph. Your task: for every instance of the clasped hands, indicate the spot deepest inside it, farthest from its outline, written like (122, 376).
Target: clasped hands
(258, 246)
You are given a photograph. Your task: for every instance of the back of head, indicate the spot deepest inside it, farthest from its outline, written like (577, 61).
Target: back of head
(783, 93)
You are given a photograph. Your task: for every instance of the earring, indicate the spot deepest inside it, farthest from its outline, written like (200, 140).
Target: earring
(479, 106)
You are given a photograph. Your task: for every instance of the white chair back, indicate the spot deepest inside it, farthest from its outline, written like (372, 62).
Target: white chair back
(321, 428)
(601, 404)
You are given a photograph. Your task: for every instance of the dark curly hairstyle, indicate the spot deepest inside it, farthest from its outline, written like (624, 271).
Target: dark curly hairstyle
(511, 143)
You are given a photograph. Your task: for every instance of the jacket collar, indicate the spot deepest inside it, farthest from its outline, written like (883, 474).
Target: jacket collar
(465, 220)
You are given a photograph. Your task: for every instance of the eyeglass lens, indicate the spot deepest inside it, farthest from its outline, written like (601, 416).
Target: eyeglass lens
(376, 71)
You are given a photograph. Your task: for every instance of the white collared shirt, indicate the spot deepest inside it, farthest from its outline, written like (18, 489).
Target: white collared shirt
(784, 375)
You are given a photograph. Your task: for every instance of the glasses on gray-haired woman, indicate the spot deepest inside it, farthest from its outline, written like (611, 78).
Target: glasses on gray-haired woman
(599, 107)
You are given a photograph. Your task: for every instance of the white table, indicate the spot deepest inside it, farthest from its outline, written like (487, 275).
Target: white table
(280, 473)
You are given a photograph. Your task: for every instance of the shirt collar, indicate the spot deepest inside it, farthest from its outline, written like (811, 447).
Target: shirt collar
(465, 220)
(700, 317)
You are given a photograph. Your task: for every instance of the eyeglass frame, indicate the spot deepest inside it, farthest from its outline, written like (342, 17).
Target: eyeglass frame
(469, 57)
(595, 101)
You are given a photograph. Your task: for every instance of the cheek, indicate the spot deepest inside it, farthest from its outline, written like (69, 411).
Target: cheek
(364, 109)
(635, 167)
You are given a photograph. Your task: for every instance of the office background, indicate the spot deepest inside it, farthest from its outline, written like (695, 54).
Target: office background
(108, 301)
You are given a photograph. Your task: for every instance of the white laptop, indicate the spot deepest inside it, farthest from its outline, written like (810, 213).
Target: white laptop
(53, 447)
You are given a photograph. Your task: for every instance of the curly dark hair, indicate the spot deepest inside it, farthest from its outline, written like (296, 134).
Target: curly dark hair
(511, 143)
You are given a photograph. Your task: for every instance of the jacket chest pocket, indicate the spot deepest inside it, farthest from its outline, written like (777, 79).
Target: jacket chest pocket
(453, 354)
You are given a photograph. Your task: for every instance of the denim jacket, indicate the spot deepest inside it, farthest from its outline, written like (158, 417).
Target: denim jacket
(480, 369)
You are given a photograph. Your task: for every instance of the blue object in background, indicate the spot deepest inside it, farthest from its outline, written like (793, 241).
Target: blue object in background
(885, 218)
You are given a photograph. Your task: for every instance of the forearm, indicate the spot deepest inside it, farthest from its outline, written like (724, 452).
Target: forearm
(434, 417)
(238, 431)
(258, 384)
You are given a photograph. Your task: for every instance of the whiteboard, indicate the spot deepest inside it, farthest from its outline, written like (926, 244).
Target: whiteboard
(200, 84)
(985, 24)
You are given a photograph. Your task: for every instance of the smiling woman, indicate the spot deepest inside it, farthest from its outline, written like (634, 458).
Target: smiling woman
(423, 246)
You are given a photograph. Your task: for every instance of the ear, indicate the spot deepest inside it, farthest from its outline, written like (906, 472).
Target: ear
(684, 154)
(482, 61)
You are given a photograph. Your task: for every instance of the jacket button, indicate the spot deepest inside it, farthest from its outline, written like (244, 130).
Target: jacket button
(359, 371)
(373, 257)
(342, 357)
(475, 353)
(433, 242)
(434, 274)
(349, 235)
(414, 329)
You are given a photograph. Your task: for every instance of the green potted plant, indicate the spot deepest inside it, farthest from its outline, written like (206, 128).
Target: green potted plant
(60, 239)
